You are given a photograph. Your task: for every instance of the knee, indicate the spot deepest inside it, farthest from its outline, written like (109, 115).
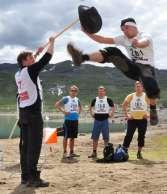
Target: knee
(113, 51)
(109, 52)
(141, 136)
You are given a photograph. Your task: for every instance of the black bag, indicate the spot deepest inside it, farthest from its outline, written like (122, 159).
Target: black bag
(108, 151)
(90, 19)
(108, 154)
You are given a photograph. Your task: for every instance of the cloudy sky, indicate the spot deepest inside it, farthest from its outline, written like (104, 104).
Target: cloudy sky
(28, 24)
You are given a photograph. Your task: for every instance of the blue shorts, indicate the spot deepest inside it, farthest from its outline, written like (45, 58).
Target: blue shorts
(100, 127)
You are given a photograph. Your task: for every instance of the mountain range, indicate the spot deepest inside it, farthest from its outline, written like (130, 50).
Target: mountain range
(56, 79)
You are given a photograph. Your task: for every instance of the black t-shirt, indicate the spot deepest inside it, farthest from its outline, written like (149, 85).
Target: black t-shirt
(101, 117)
(34, 71)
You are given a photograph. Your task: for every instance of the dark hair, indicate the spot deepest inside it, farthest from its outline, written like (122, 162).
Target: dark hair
(22, 56)
(127, 20)
(138, 82)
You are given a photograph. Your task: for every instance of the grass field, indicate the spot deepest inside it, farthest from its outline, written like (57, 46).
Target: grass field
(158, 150)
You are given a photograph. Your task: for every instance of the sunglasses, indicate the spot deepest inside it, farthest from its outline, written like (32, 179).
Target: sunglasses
(73, 90)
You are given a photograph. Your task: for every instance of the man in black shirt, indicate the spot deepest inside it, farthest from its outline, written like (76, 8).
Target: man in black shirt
(101, 109)
(30, 117)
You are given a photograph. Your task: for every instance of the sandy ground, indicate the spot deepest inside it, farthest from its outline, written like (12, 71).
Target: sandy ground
(85, 175)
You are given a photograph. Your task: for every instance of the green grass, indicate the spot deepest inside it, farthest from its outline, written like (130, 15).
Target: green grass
(160, 148)
(157, 152)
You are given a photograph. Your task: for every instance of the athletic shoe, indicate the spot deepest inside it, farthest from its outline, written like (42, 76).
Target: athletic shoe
(153, 117)
(75, 54)
(73, 155)
(139, 155)
(93, 155)
(37, 183)
(24, 181)
(64, 155)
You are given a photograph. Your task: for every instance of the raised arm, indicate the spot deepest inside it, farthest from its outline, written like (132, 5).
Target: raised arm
(35, 69)
(100, 39)
(43, 61)
(51, 46)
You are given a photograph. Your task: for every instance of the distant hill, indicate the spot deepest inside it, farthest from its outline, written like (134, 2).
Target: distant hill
(56, 78)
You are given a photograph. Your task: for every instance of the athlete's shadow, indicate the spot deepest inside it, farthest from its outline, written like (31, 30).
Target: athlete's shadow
(12, 168)
(146, 162)
(22, 189)
(69, 160)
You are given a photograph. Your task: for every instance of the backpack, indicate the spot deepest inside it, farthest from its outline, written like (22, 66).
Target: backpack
(120, 154)
(108, 152)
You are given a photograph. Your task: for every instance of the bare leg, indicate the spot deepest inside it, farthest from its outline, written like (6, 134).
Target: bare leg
(78, 57)
(139, 149)
(94, 153)
(106, 142)
(71, 145)
(95, 144)
(96, 57)
(153, 112)
(64, 145)
(152, 101)
(139, 154)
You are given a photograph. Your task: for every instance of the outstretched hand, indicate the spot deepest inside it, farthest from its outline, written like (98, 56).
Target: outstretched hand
(51, 40)
(38, 51)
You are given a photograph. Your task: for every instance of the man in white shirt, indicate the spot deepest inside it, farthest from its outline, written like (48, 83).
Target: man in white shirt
(139, 67)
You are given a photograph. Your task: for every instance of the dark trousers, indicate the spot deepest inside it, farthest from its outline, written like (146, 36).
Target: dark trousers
(136, 71)
(131, 128)
(31, 133)
(70, 128)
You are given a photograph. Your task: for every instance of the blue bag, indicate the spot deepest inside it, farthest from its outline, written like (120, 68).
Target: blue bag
(120, 154)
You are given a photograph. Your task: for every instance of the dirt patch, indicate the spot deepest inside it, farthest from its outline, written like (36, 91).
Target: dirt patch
(84, 175)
